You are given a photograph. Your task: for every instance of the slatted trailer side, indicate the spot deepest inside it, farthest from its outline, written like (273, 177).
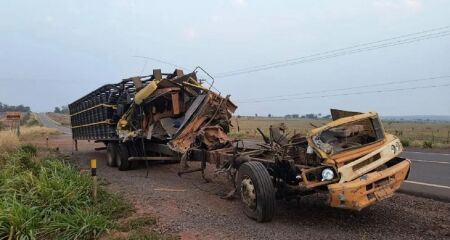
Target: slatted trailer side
(95, 116)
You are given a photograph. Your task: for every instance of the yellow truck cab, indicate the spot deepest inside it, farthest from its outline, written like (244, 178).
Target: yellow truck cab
(365, 158)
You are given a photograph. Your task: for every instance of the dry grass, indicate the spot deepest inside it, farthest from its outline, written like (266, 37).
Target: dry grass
(413, 133)
(247, 125)
(8, 141)
(438, 133)
(63, 119)
(30, 133)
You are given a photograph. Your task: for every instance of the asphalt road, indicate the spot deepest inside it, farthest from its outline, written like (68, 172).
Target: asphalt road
(429, 175)
(47, 122)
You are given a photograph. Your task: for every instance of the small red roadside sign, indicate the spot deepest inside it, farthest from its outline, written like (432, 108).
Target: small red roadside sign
(13, 116)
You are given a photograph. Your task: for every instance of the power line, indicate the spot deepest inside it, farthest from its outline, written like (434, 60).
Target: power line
(354, 93)
(274, 97)
(405, 39)
(164, 62)
(341, 49)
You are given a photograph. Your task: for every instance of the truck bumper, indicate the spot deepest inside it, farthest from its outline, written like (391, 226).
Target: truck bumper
(369, 188)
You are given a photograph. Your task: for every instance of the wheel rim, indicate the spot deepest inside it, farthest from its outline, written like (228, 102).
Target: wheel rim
(248, 193)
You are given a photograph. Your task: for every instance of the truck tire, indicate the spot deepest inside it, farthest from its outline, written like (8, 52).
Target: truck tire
(112, 154)
(257, 191)
(122, 160)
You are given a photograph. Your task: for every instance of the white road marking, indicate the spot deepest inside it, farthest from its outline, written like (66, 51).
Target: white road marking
(444, 154)
(426, 161)
(428, 184)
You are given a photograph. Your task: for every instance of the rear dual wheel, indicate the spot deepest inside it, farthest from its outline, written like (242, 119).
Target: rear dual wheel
(257, 191)
(111, 154)
(122, 158)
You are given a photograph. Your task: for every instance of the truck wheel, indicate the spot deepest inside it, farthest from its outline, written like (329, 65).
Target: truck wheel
(257, 191)
(111, 154)
(122, 159)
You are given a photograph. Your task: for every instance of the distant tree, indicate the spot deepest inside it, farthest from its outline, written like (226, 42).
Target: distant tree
(64, 109)
(310, 116)
(295, 116)
(326, 117)
(270, 115)
(256, 115)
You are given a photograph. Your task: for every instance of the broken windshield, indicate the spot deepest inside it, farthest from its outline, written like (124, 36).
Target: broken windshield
(350, 135)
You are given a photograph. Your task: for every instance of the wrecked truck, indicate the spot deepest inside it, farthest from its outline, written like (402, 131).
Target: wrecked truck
(179, 118)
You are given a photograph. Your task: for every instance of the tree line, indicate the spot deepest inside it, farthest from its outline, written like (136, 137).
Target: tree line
(62, 109)
(12, 108)
(307, 116)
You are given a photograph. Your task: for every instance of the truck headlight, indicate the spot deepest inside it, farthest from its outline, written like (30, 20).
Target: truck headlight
(393, 149)
(327, 174)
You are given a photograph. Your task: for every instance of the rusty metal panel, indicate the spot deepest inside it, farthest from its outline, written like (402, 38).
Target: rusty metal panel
(336, 114)
(157, 75)
(176, 103)
(137, 82)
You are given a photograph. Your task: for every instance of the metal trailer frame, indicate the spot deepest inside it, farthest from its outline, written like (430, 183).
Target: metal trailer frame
(92, 116)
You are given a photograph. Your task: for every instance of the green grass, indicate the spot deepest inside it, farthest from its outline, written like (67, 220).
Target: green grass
(47, 198)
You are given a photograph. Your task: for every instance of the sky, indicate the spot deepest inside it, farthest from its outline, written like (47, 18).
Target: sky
(54, 52)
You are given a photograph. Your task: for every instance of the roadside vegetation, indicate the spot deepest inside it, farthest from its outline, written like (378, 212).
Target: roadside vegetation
(31, 133)
(47, 198)
(9, 139)
(44, 196)
(30, 119)
(61, 118)
(412, 134)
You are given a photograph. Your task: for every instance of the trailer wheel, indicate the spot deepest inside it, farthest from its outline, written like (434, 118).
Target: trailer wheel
(122, 159)
(112, 154)
(257, 191)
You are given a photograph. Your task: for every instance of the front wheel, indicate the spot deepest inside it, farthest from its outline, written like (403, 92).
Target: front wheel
(257, 191)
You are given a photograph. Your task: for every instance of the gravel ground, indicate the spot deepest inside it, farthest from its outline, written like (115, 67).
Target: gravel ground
(192, 208)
